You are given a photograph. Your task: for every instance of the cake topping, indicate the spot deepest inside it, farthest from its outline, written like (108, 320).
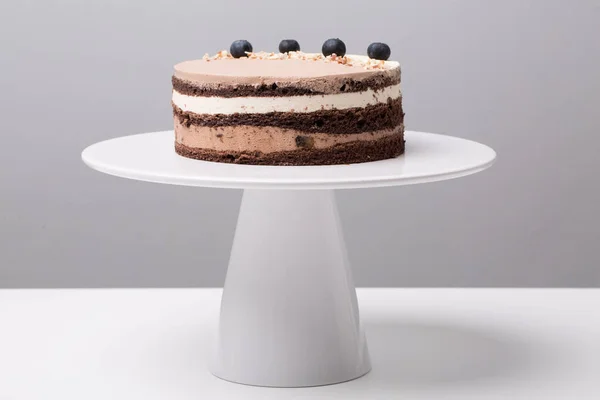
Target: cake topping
(379, 51)
(334, 46)
(333, 50)
(288, 45)
(240, 48)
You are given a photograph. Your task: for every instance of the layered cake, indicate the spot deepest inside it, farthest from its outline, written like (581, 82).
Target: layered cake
(288, 108)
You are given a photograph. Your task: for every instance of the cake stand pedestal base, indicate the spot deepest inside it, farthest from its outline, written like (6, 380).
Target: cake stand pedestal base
(289, 313)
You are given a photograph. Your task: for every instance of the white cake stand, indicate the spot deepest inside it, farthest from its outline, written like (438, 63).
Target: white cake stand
(289, 314)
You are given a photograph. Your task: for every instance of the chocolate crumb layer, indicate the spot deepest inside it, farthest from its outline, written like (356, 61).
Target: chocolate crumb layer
(352, 120)
(347, 153)
(313, 87)
(306, 142)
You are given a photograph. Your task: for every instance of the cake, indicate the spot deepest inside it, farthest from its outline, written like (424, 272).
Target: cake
(288, 108)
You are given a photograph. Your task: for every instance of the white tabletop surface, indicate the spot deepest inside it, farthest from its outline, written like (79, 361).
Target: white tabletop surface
(151, 157)
(150, 344)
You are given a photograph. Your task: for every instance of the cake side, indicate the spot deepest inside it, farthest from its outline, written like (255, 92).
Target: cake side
(288, 111)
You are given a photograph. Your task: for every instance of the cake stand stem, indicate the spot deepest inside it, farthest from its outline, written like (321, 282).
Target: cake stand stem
(289, 313)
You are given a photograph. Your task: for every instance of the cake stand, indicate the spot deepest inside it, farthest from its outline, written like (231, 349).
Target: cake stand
(289, 313)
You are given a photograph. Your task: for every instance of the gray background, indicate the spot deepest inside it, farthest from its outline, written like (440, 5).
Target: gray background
(520, 76)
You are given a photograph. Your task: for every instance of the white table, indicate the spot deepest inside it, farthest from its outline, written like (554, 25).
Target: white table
(147, 344)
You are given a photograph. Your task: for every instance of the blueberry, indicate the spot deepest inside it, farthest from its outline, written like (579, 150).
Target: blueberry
(379, 51)
(289, 45)
(239, 48)
(334, 46)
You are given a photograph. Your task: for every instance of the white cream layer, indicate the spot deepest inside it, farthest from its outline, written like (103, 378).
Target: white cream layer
(298, 104)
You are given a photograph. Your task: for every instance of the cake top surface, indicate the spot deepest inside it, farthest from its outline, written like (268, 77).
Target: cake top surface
(293, 66)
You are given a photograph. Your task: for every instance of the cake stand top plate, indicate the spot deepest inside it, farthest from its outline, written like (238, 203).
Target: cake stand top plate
(151, 157)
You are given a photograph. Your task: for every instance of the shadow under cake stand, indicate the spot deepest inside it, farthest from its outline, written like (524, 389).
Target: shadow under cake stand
(289, 312)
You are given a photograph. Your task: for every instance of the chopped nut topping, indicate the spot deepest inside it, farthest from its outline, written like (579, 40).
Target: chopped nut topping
(366, 63)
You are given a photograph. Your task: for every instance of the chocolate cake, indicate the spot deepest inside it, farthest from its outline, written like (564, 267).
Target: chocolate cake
(289, 108)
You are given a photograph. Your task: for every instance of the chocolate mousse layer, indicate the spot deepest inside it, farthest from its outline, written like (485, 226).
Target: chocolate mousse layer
(267, 139)
(343, 153)
(352, 120)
